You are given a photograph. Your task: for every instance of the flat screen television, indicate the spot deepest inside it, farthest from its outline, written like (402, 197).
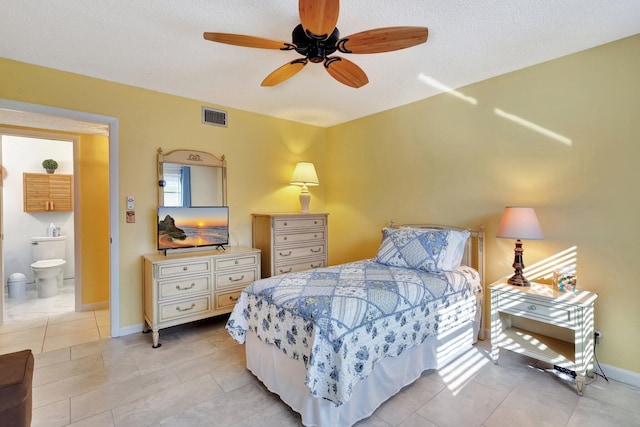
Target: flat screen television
(192, 227)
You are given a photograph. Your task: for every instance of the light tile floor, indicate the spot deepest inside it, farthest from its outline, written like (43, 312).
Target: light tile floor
(198, 378)
(47, 324)
(31, 307)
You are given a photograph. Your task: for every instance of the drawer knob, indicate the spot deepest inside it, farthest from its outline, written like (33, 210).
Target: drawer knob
(237, 262)
(285, 238)
(288, 271)
(231, 279)
(285, 224)
(315, 266)
(233, 298)
(193, 305)
(315, 251)
(185, 268)
(187, 288)
(315, 236)
(531, 307)
(287, 254)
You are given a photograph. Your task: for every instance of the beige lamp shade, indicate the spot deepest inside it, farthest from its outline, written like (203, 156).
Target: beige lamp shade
(304, 174)
(519, 222)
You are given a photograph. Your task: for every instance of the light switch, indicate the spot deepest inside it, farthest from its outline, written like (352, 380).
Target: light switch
(130, 203)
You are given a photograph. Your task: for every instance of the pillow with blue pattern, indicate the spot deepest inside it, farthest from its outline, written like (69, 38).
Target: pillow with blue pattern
(422, 249)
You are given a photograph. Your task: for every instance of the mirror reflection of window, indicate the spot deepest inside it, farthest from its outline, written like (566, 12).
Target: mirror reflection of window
(193, 185)
(173, 185)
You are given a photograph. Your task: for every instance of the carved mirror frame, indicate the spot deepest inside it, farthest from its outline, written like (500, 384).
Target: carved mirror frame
(192, 158)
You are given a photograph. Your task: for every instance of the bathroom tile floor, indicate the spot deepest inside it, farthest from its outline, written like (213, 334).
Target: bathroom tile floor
(31, 307)
(198, 378)
(47, 324)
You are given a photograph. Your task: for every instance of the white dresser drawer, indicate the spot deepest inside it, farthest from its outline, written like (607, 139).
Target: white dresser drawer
(285, 238)
(299, 266)
(240, 261)
(184, 308)
(184, 267)
(236, 278)
(282, 254)
(293, 223)
(536, 310)
(184, 287)
(227, 299)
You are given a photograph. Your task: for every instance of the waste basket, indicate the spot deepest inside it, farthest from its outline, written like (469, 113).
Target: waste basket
(17, 284)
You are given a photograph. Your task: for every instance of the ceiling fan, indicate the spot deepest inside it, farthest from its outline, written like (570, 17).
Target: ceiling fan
(316, 37)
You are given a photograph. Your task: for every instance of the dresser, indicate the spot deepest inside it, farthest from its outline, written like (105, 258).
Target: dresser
(290, 242)
(188, 286)
(542, 323)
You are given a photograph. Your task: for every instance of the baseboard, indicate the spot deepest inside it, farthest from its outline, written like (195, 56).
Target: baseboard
(621, 375)
(132, 329)
(102, 305)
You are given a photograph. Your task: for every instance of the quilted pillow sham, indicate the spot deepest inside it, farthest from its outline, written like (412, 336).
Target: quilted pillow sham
(422, 249)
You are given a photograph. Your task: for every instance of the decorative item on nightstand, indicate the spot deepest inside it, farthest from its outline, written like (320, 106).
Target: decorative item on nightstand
(565, 280)
(304, 175)
(518, 223)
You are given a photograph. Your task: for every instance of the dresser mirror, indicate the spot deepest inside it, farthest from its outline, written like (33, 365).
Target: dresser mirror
(191, 178)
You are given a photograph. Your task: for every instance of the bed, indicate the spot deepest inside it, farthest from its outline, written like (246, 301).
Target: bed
(336, 342)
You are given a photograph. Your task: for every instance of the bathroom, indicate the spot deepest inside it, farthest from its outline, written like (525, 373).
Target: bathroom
(22, 154)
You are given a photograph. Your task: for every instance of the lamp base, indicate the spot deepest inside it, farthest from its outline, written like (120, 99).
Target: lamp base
(518, 280)
(518, 265)
(305, 198)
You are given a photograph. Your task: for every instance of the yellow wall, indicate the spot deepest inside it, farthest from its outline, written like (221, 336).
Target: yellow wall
(261, 153)
(445, 160)
(438, 160)
(93, 207)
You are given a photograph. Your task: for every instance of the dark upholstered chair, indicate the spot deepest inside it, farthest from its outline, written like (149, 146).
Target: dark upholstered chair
(16, 375)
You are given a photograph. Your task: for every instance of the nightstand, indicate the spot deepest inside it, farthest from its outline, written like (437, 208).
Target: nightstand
(539, 322)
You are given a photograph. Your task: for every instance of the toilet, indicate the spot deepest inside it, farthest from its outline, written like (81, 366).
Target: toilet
(48, 265)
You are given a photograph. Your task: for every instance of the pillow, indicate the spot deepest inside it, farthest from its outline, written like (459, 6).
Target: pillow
(422, 249)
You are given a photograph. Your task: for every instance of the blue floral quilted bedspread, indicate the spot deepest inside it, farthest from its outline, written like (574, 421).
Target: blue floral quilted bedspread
(340, 320)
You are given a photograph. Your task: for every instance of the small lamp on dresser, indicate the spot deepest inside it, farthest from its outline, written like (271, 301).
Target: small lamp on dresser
(304, 175)
(519, 222)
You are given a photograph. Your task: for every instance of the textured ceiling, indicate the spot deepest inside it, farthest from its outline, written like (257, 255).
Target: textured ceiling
(158, 45)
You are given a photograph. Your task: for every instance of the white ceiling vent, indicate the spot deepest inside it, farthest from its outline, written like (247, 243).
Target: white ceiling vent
(214, 117)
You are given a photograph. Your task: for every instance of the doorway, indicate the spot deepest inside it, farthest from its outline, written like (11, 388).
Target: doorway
(28, 230)
(44, 117)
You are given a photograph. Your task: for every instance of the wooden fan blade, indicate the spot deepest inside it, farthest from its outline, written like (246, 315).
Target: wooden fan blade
(248, 41)
(285, 72)
(319, 17)
(383, 40)
(346, 72)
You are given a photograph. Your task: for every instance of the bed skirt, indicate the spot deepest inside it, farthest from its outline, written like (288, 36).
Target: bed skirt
(285, 376)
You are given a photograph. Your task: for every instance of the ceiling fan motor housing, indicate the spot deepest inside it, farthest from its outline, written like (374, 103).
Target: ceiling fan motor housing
(313, 49)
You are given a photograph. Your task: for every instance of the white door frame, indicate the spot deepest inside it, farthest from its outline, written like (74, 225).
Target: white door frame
(114, 227)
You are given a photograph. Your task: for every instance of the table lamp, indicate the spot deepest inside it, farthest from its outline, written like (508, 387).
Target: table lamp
(518, 223)
(304, 175)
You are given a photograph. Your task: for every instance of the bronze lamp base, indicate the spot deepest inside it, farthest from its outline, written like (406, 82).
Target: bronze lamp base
(518, 278)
